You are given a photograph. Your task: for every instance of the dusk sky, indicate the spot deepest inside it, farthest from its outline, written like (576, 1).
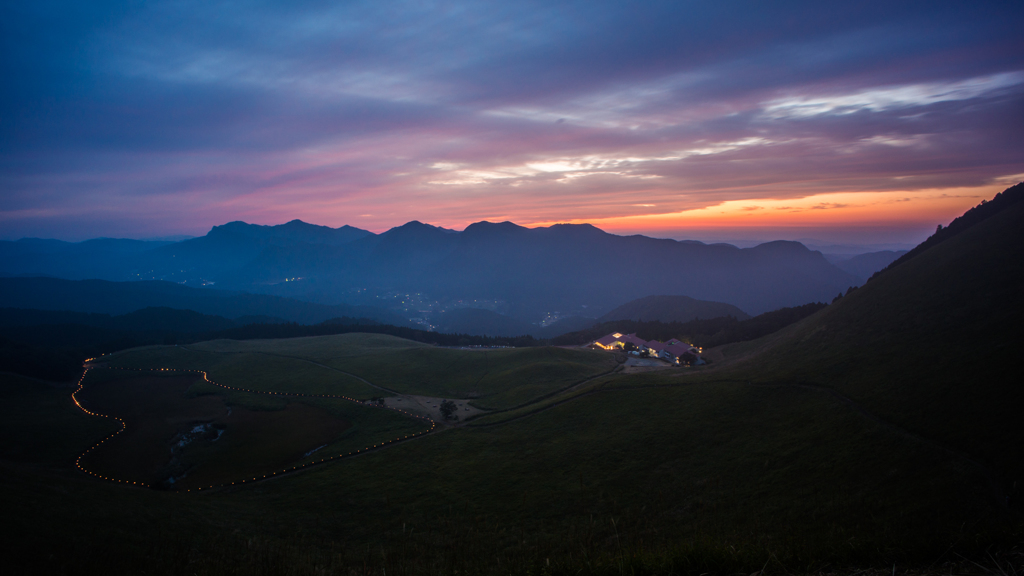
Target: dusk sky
(854, 122)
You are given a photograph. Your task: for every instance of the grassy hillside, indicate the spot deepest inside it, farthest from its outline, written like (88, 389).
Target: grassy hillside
(183, 433)
(882, 430)
(715, 478)
(40, 424)
(930, 345)
(493, 379)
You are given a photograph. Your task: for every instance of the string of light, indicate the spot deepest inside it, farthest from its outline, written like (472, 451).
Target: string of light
(297, 467)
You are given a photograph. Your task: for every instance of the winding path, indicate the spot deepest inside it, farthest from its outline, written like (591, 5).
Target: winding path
(298, 467)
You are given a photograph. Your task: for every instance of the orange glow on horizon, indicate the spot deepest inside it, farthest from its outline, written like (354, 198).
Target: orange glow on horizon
(829, 209)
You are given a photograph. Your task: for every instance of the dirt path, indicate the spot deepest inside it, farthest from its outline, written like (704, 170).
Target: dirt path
(566, 390)
(432, 407)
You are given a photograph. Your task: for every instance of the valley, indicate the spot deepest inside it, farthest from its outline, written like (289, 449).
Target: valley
(840, 441)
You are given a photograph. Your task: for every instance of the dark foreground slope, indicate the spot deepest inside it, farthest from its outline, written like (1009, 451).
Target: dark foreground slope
(931, 344)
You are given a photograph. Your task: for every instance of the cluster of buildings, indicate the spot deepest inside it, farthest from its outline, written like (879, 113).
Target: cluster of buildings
(674, 351)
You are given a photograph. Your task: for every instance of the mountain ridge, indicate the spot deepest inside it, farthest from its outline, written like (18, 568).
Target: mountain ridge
(573, 269)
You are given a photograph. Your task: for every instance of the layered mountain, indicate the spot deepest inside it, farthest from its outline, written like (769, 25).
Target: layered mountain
(864, 265)
(103, 297)
(573, 270)
(218, 254)
(107, 258)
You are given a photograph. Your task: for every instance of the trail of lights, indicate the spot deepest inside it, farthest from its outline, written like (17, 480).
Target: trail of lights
(297, 467)
(78, 461)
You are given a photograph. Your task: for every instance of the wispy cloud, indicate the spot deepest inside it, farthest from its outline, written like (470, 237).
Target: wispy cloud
(891, 97)
(179, 116)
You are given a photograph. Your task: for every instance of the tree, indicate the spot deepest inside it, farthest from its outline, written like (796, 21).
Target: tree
(448, 409)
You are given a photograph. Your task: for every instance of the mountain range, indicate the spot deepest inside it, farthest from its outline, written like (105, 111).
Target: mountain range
(420, 270)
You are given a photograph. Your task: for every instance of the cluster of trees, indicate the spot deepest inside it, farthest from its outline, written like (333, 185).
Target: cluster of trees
(701, 332)
(56, 351)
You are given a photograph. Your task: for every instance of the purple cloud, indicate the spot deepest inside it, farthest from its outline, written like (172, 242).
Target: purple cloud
(166, 118)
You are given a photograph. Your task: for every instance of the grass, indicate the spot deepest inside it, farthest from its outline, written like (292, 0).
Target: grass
(928, 347)
(849, 441)
(240, 436)
(718, 478)
(253, 370)
(493, 379)
(40, 424)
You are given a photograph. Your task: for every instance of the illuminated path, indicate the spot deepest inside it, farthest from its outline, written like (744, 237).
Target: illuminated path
(377, 446)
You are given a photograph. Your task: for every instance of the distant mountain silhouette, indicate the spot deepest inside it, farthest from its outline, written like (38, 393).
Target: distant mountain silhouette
(672, 309)
(147, 319)
(566, 268)
(99, 258)
(864, 265)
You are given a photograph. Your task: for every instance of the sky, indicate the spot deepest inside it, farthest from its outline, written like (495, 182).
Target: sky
(855, 123)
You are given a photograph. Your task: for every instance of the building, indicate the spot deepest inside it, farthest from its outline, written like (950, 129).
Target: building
(671, 351)
(654, 348)
(616, 340)
(674, 352)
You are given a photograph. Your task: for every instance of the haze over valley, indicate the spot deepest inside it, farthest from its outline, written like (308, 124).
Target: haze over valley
(420, 272)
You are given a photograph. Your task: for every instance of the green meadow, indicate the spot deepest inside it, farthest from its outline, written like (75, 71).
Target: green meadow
(492, 379)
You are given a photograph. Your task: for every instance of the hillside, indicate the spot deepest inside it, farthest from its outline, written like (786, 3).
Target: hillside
(929, 344)
(672, 309)
(702, 332)
(881, 430)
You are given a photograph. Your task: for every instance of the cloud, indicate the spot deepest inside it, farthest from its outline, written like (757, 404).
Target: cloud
(185, 115)
(891, 97)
